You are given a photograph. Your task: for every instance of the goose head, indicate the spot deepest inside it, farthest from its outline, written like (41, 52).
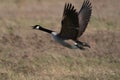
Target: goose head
(37, 27)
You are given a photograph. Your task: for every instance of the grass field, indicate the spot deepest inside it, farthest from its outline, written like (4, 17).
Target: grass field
(27, 54)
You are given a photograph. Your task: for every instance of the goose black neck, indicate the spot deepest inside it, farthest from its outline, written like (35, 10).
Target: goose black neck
(46, 30)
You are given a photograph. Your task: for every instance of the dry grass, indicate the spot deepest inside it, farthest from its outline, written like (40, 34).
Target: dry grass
(26, 54)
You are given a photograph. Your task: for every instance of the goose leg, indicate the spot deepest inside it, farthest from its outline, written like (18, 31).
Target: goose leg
(82, 44)
(79, 46)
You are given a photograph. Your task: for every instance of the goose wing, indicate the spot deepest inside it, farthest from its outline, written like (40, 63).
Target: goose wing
(84, 16)
(69, 23)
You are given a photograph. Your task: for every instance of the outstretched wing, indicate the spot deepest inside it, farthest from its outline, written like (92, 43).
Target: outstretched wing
(84, 16)
(69, 22)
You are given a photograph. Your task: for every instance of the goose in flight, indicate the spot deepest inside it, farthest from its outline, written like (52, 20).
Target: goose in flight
(73, 25)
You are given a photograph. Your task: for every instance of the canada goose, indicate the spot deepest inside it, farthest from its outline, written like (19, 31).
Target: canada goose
(73, 25)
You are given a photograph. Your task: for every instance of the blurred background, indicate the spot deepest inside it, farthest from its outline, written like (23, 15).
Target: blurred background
(27, 54)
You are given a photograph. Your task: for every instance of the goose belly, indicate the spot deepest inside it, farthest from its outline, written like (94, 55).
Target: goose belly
(62, 42)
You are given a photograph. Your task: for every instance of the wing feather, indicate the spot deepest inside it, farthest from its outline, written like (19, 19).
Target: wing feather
(74, 23)
(84, 16)
(69, 22)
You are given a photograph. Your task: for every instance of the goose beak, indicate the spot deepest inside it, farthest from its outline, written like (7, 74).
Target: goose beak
(33, 27)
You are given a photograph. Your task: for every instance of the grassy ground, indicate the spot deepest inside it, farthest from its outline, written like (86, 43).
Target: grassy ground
(26, 54)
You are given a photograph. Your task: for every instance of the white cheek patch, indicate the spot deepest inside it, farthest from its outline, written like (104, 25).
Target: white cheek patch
(37, 27)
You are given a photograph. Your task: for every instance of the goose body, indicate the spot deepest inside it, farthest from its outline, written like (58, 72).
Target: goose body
(55, 37)
(73, 25)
